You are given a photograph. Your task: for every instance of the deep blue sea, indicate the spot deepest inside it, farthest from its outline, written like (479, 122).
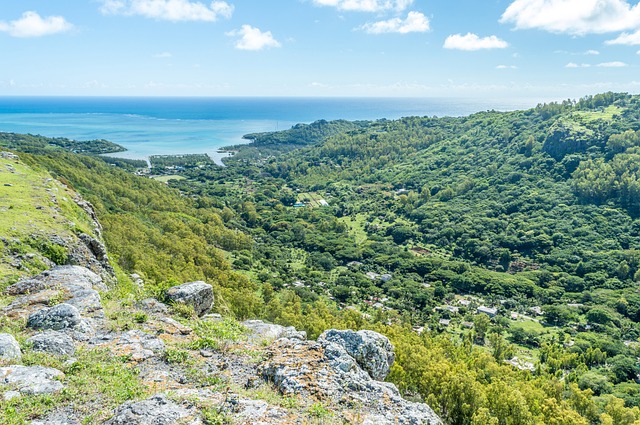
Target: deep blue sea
(159, 126)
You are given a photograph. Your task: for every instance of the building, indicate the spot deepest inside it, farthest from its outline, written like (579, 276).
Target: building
(491, 312)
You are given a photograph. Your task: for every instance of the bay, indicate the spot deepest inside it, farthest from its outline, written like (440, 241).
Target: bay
(178, 125)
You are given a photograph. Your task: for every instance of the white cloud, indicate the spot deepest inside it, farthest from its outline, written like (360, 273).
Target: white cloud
(33, 25)
(506, 67)
(471, 41)
(614, 64)
(250, 38)
(575, 65)
(592, 53)
(629, 39)
(366, 5)
(163, 55)
(415, 22)
(577, 17)
(169, 10)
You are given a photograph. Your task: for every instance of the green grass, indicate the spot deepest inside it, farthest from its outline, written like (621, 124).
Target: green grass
(95, 384)
(356, 226)
(606, 114)
(33, 206)
(165, 179)
(529, 325)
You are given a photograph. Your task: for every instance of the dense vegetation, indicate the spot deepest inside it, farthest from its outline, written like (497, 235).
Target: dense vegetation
(409, 226)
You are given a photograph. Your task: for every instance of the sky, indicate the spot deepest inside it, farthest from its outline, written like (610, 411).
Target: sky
(546, 49)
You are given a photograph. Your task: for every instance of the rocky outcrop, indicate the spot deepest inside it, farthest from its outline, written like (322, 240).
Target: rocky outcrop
(53, 342)
(30, 380)
(75, 286)
(71, 278)
(9, 348)
(157, 410)
(339, 372)
(373, 352)
(198, 295)
(326, 372)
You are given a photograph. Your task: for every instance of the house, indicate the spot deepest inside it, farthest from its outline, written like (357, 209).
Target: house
(491, 312)
(444, 322)
(372, 275)
(323, 203)
(468, 325)
(464, 303)
(537, 310)
(385, 277)
(514, 315)
(452, 309)
(299, 205)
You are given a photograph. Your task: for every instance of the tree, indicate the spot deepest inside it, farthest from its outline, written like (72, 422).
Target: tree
(481, 324)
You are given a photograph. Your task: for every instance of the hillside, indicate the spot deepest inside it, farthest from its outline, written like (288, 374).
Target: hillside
(498, 252)
(84, 343)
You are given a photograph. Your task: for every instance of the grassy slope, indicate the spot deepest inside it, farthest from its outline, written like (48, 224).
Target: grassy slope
(33, 208)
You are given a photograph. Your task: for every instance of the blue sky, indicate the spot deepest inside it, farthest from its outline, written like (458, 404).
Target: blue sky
(546, 49)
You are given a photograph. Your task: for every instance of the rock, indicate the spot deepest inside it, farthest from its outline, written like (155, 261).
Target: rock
(198, 295)
(53, 342)
(32, 380)
(172, 326)
(373, 351)
(10, 395)
(9, 348)
(59, 317)
(56, 419)
(70, 278)
(135, 344)
(87, 301)
(152, 305)
(267, 331)
(157, 410)
(326, 372)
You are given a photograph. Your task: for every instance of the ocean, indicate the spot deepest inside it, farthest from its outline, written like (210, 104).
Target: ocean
(179, 125)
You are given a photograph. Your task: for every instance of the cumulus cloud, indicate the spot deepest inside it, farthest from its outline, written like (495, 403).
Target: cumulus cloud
(366, 5)
(576, 65)
(250, 38)
(576, 17)
(614, 64)
(414, 22)
(506, 67)
(628, 39)
(592, 53)
(168, 10)
(471, 41)
(163, 55)
(33, 25)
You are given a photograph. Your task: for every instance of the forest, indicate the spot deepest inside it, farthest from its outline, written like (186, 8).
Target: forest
(500, 252)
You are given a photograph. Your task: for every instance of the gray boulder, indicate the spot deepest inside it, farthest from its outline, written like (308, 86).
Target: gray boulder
(53, 342)
(372, 351)
(70, 278)
(152, 305)
(59, 317)
(157, 410)
(56, 419)
(198, 295)
(9, 348)
(32, 380)
(267, 331)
